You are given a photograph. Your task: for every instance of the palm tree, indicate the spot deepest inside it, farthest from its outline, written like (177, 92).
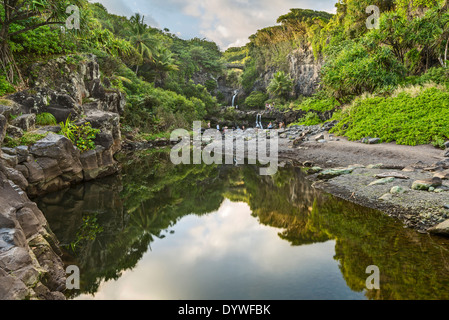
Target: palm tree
(281, 85)
(163, 63)
(141, 39)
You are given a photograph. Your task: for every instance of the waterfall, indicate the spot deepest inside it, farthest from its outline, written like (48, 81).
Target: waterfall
(259, 121)
(236, 92)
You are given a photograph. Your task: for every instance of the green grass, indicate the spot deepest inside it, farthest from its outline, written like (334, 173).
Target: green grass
(28, 139)
(407, 119)
(45, 119)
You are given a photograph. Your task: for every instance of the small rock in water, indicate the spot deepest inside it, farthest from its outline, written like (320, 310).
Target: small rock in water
(441, 229)
(308, 164)
(382, 181)
(319, 137)
(447, 154)
(332, 173)
(314, 170)
(446, 206)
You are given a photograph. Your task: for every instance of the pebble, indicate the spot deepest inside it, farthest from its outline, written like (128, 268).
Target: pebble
(386, 197)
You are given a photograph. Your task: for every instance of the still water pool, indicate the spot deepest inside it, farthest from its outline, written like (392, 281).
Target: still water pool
(159, 231)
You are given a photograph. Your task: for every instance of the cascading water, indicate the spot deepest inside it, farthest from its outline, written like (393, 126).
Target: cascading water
(259, 121)
(236, 92)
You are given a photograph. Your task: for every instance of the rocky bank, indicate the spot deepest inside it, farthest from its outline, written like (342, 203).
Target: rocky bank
(30, 263)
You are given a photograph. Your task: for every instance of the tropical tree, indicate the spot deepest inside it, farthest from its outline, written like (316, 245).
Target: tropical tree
(141, 38)
(163, 63)
(281, 85)
(27, 15)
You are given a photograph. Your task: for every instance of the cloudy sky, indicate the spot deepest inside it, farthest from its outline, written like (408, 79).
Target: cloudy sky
(227, 22)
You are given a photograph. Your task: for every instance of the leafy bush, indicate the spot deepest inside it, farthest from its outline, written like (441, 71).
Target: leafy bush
(403, 118)
(321, 104)
(45, 119)
(351, 69)
(249, 76)
(310, 119)
(256, 99)
(82, 136)
(5, 87)
(435, 75)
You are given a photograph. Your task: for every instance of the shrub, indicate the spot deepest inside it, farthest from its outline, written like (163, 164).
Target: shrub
(82, 136)
(256, 99)
(353, 70)
(310, 119)
(5, 87)
(318, 104)
(403, 118)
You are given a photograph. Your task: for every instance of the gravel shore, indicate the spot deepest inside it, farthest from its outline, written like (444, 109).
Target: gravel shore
(426, 211)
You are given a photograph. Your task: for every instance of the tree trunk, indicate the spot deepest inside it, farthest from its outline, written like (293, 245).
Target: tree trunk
(9, 65)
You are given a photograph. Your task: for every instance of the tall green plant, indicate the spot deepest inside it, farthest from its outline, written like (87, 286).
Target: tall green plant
(281, 85)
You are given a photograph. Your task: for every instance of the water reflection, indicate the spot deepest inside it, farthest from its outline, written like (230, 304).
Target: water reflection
(206, 232)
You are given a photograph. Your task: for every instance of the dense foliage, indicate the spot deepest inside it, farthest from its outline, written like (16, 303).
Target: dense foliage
(153, 67)
(406, 47)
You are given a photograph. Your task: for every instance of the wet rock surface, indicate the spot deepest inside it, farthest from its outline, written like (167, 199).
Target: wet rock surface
(30, 263)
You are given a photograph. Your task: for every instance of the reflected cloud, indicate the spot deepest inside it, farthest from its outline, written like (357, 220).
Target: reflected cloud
(229, 255)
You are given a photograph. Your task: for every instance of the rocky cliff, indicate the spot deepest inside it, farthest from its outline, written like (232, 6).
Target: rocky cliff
(30, 265)
(303, 68)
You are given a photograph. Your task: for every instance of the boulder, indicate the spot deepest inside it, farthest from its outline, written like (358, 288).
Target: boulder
(3, 127)
(54, 163)
(444, 175)
(109, 124)
(26, 122)
(22, 153)
(12, 288)
(26, 261)
(442, 229)
(14, 131)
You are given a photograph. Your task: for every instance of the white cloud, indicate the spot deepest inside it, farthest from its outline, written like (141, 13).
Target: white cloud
(227, 22)
(231, 22)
